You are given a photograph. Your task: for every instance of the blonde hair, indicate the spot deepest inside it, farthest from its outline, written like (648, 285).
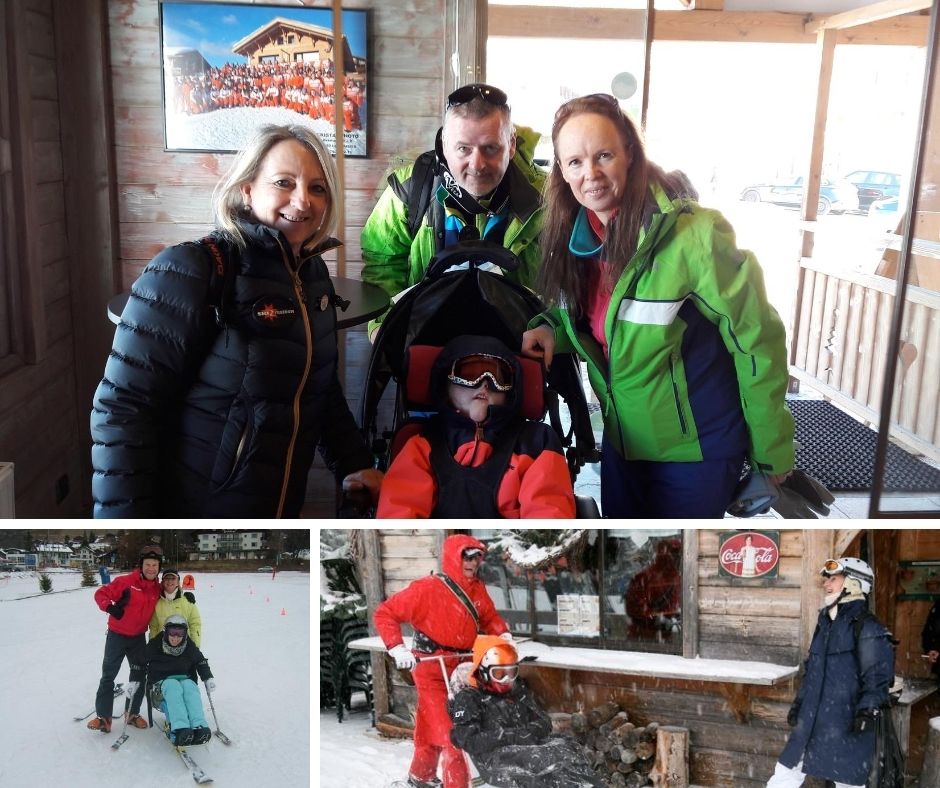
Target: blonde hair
(227, 200)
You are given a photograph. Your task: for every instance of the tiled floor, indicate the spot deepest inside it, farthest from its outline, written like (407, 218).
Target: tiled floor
(354, 354)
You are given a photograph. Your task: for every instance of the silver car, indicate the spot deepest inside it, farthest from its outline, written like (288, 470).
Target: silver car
(834, 196)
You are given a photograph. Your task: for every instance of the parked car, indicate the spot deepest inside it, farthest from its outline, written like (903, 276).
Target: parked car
(834, 196)
(874, 185)
(884, 213)
(265, 569)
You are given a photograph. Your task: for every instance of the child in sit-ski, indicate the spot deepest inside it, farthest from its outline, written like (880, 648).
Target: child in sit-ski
(170, 663)
(478, 456)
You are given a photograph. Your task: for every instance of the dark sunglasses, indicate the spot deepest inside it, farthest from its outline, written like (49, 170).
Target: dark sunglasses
(470, 371)
(601, 98)
(471, 553)
(467, 93)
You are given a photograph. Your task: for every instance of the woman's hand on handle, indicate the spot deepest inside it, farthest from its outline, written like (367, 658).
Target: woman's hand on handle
(539, 343)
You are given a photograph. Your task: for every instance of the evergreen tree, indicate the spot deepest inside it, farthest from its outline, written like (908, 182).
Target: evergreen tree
(88, 576)
(45, 583)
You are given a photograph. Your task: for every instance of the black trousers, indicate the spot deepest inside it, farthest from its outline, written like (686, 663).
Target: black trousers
(116, 648)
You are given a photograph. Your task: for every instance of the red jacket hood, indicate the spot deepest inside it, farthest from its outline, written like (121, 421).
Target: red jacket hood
(451, 563)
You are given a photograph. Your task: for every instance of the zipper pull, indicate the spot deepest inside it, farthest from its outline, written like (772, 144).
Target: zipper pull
(298, 287)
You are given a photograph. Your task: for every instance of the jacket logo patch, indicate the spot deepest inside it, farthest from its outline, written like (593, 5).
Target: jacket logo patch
(274, 311)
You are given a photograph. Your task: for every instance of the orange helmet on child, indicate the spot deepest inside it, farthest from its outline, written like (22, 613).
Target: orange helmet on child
(495, 664)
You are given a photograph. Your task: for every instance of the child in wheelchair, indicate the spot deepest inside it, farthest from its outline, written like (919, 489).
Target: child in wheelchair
(500, 725)
(485, 452)
(169, 664)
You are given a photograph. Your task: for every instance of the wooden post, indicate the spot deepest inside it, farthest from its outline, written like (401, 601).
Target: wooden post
(671, 769)
(373, 581)
(930, 773)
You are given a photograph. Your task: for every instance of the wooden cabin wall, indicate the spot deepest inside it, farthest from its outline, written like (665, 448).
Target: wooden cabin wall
(164, 196)
(921, 544)
(40, 422)
(750, 619)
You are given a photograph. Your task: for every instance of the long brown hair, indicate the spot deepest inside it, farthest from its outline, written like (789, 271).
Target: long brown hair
(562, 277)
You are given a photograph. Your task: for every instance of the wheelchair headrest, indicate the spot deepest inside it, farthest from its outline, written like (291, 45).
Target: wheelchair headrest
(420, 359)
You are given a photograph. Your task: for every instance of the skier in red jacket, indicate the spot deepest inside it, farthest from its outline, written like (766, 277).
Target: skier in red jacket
(438, 609)
(129, 601)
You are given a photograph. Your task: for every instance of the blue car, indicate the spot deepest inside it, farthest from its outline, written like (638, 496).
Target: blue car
(874, 185)
(834, 196)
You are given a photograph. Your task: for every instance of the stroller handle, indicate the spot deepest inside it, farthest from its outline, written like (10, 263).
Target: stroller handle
(475, 253)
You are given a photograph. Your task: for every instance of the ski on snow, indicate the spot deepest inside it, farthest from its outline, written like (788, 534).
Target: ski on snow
(118, 690)
(194, 769)
(222, 737)
(120, 740)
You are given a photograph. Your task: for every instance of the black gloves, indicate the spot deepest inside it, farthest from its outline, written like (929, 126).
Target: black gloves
(793, 714)
(865, 720)
(116, 609)
(802, 497)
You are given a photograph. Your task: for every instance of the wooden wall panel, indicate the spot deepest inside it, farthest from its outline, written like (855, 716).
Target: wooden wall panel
(39, 418)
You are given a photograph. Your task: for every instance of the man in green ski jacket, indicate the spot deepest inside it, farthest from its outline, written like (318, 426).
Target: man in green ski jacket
(478, 182)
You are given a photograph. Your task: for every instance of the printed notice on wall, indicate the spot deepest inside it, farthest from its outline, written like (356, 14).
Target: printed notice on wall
(578, 614)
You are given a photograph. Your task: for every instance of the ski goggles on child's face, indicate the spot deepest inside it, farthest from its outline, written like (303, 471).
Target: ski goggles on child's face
(175, 632)
(470, 371)
(504, 674)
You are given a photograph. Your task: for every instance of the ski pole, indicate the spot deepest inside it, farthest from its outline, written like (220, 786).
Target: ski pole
(212, 706)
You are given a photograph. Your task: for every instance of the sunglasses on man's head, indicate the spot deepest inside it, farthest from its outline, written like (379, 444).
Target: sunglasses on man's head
(470, 371)
(467, 93)
(471, 553)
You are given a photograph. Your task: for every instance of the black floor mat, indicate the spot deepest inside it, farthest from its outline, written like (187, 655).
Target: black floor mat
(840, 452)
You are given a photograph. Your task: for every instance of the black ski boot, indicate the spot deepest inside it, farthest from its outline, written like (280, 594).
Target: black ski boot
(201, 735)
(414, 782)
(182, 737)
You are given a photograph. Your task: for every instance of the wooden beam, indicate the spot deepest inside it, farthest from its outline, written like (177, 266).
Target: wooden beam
(887, 9)
(817, 547)
(768, 27)
(690, 592)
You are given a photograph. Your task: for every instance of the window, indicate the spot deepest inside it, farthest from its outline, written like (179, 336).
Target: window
(615, 588)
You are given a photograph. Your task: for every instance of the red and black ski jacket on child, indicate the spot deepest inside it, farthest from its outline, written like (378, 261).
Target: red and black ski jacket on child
(505, 467)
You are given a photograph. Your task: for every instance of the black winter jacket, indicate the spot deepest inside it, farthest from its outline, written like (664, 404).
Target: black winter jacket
(156, 664)
(485, 721)
(930, 635)
(192, 420)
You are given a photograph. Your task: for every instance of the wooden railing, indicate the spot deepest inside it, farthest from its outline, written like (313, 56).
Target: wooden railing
(842, 334)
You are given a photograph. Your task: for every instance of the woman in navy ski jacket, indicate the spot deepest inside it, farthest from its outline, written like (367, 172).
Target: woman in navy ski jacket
(222, 380)
(844, 688)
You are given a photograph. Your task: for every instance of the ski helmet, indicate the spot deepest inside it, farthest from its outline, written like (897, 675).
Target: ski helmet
(850, 567)
(175, 625)
(496, 663)
(150, 551)
(170, 573)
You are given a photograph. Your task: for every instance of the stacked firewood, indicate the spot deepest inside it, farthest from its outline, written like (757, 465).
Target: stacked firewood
(622, 753)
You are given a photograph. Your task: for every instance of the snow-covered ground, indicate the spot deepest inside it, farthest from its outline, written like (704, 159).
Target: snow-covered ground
(50, 661)
(354, 755)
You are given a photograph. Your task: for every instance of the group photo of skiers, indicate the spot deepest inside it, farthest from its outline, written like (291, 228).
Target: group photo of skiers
(487, 700)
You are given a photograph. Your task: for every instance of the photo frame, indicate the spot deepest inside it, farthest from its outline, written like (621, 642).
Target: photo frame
(918, 580)
(229, 68)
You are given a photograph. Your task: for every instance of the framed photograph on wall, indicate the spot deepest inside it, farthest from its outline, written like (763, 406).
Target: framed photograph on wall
(229, 68)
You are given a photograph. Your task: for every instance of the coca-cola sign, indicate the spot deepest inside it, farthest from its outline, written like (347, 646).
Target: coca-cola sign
(749, 554)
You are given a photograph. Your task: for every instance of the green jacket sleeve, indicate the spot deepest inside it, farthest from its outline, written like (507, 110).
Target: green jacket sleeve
(386, 245)
(555, 319)
(729, 290)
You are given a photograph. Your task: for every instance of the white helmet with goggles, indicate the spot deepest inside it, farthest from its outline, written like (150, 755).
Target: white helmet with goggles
(850, 567)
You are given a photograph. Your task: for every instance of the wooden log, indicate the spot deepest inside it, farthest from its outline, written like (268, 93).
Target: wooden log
(930, 772)
(625, 734)
(614, 722)
(579, 722)
(561, 722)
(601, 714)
(645, 750)
(671, 768)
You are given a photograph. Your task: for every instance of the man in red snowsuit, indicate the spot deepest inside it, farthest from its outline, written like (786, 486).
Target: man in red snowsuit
(443, 624)
(654, 597)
